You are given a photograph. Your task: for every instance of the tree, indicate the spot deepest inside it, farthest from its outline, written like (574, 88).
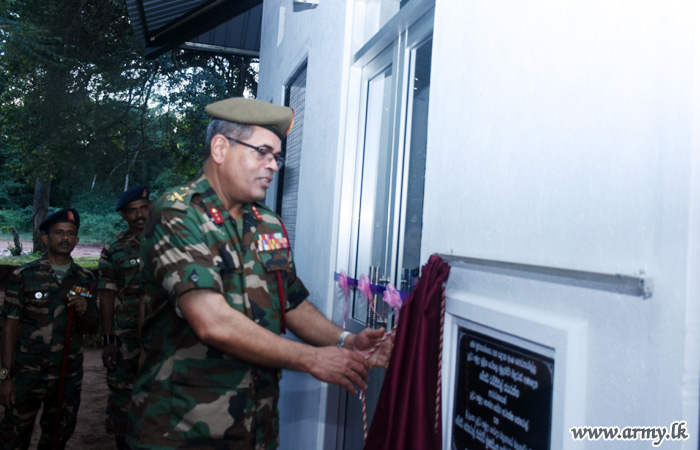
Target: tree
(82, 110)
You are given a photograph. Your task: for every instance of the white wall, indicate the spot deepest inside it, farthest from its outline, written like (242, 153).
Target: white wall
(568, 133)
(561, 134)
(289, 38)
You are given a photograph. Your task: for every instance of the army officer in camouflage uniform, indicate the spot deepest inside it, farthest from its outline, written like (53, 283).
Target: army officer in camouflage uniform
(221, 286)
(41, 299)
(120, 275)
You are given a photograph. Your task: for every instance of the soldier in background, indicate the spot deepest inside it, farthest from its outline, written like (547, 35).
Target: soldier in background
(221, 285)
(41, 356)
(120, 275)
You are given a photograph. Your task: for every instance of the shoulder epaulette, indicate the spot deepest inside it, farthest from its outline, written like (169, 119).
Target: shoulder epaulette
(177, 198)
(264, 214)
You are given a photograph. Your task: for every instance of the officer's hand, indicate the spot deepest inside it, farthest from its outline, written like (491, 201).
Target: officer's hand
(7, 393)
(367, 339)
(340, 366)
(79, 302)
(109, 356)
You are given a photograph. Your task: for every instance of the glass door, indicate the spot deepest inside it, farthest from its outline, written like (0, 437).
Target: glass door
(389, 184)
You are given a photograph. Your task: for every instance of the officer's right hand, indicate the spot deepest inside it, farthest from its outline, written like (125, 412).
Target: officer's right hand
(7, 393)
(341, 366)
(109, 356)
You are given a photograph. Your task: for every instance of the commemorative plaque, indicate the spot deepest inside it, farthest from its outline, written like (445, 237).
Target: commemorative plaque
(503, 395)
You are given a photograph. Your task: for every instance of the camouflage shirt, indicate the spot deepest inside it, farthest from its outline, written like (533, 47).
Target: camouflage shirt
(120, 272)
(190, 394)
(36, 298)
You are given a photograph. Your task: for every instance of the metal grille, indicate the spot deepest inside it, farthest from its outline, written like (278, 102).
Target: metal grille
(288, 193)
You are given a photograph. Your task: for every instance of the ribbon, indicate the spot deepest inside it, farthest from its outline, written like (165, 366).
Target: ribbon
(392, 297)
(343, 282)
(364, 287)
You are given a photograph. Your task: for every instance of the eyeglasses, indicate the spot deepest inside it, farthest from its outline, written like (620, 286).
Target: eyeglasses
(262, 152)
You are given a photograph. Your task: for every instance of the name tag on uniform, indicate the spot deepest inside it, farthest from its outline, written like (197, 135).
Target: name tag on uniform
(274, 241)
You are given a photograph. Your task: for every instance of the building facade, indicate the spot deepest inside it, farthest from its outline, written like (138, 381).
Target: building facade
(548, 150)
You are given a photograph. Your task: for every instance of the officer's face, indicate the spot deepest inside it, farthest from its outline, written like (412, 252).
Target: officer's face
(245, 173)
(61, 238)
(135, 214)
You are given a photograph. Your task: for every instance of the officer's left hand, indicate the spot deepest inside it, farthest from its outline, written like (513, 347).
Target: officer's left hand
(79, 302)
(367, 339)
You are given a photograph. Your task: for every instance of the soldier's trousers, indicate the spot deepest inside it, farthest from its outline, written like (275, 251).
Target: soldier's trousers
(18, 424)
(120, 382)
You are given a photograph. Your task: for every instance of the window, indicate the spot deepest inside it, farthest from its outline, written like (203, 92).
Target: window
(288, 177)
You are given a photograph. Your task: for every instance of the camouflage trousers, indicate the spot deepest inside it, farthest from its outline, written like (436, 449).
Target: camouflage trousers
(18, 424)
(120, 382)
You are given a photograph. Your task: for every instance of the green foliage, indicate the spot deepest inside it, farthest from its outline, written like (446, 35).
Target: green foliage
(88, 262)
(100, 227)
(84, 111)
(15, 251)
(21, 219)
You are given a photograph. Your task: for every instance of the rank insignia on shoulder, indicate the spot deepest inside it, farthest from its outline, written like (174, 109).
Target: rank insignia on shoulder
(256, 213)
(179, 196)
(216, 215)
(273, 241)
(176, 196)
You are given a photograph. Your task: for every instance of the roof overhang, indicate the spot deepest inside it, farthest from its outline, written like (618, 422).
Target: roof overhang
(221, 26)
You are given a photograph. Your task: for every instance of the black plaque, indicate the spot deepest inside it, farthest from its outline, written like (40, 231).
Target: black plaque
(503, 395)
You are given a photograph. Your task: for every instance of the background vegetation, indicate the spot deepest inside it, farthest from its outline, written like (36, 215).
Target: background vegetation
(84, 116)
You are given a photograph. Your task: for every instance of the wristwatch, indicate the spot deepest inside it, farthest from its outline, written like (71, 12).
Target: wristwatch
(4, 374)
(341, 340)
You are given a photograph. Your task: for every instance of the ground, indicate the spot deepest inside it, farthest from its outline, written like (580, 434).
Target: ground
(90, 432)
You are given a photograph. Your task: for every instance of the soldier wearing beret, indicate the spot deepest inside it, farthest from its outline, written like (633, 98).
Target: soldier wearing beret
(49, 304)
(120, 275)
(221, 286)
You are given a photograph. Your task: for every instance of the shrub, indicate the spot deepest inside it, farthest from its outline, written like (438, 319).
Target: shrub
(10, 218)
(100, 227)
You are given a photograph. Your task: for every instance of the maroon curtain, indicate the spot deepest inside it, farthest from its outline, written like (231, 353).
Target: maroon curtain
(405, 414)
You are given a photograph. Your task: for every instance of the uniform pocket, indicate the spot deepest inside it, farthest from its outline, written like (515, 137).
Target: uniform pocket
(203, 411)
(273, 260)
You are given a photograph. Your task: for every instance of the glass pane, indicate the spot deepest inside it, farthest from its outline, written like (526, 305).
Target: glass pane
(374, 245)
(413, 225)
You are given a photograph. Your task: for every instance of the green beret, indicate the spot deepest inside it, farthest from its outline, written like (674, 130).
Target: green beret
(248, 111)
(65, 215)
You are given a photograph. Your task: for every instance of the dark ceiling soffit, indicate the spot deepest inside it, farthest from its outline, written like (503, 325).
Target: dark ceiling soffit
(219, 49)
(191, 25)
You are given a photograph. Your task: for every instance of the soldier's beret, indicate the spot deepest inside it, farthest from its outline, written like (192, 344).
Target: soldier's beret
(276, 118)
(131, 195)
(65, 215)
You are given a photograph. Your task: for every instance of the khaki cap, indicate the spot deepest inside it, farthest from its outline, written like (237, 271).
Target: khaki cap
(276, 118)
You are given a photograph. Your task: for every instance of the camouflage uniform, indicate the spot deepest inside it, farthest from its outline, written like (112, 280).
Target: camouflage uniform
(190, 395)
(36, 298)
(120, 272)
